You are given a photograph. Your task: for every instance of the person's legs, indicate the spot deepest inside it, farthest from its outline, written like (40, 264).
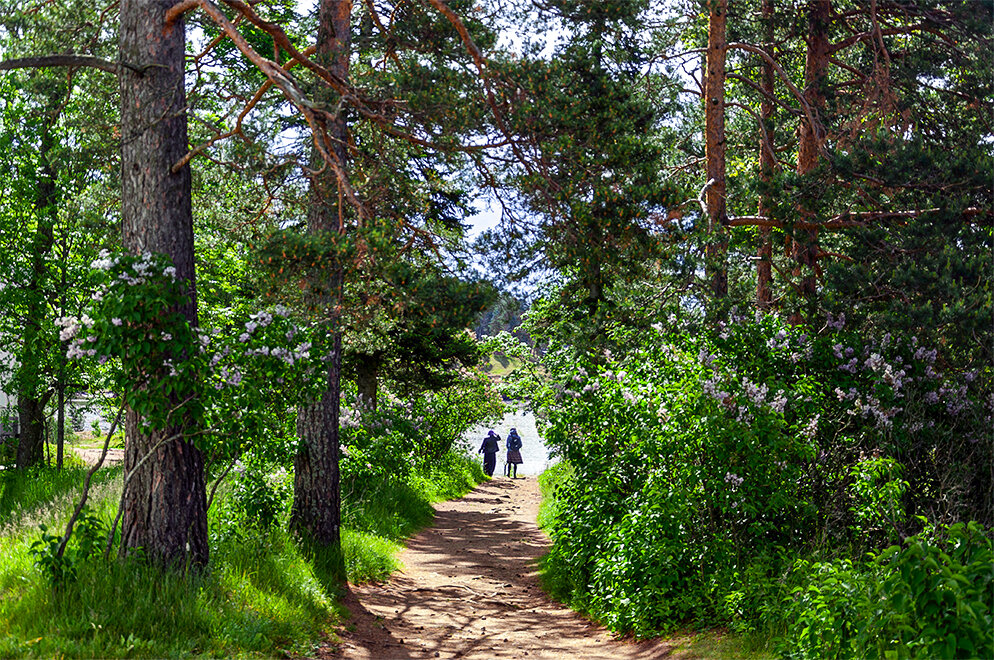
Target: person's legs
(515, 470)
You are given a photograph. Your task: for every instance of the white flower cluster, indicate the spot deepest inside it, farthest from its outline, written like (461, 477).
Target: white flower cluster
(756, 393)
(837, 322)
(104, 261)
(71, 329)
(710, 387)
(778, 341)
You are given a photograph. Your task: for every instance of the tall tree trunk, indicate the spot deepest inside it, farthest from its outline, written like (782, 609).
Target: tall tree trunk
(165, 506)
(31, 399)
(316, 512)
(714, 141)
(367, 377)
(764, 267)
(31, 443)
(812, 137)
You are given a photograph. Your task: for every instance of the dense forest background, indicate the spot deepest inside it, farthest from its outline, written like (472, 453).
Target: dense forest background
(742, 271)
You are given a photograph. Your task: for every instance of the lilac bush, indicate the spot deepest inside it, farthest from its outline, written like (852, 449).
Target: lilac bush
(705, 459)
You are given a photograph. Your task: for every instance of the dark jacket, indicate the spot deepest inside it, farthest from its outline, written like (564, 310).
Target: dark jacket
(491, 445)
(513, 441)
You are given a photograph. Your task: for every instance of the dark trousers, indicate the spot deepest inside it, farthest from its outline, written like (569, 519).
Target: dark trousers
(489, 463)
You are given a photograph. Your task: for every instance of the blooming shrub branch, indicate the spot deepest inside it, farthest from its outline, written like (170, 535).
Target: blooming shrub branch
(704, 458)
(238, 382)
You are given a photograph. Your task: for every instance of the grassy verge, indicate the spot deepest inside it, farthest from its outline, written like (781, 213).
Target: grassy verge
(378, 514)
(259, 597)
(716, 644)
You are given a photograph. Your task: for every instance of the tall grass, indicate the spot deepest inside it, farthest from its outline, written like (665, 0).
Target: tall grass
(378, 514)
(259, 596)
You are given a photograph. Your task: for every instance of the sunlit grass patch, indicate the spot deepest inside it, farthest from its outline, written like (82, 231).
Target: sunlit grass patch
(260, 595)
(28, 497)
(722, 645)
(368, 557)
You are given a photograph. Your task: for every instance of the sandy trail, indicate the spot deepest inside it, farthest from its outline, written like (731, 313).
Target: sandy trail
(470, 589)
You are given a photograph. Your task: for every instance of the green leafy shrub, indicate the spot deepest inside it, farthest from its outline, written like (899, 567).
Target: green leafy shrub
(707, 460)
(928, 598)
(261, 492)
(88, 539)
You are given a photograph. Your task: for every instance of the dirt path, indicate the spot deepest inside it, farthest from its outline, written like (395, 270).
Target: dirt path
(470, 589)
(92, 454)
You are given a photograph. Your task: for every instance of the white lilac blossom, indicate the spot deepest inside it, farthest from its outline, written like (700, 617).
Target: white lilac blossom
(778, 341)
(744, 416)
(838, 322)
(103, 261)
(756, 393)
(75, 351)
(116, 321)
(779, 402)
(811, 428)
(710, 388)
(733, 479)
(874, 362)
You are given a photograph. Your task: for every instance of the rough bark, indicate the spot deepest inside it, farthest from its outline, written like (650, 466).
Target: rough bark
(811, 138)
(316, 512)
(367, 378)
(714, 137)
(165, 504)
(31, 443)
(764, 266)
(31, 400)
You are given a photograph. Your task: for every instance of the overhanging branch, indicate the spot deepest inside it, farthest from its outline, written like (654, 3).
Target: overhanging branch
(75, 61)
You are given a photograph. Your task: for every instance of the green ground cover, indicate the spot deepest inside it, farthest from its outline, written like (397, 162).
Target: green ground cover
(260, 596)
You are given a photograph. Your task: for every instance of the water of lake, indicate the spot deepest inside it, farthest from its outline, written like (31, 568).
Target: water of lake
(533, 451)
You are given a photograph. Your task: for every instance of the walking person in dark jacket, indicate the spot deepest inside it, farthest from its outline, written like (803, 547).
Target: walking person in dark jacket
(489, 449)
(513, 453)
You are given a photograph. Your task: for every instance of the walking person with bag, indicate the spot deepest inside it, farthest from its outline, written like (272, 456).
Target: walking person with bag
(513, 453)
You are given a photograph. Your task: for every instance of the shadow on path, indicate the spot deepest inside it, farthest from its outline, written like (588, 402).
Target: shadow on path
(470, 589)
